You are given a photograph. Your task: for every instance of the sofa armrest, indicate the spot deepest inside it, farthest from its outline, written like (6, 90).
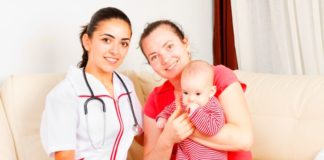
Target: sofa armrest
(23, 99)
(7, 148)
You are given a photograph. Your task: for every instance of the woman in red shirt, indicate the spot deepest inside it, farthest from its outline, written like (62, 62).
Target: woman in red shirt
(167, 51)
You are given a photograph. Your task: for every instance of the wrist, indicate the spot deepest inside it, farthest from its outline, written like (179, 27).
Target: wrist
(165, 140)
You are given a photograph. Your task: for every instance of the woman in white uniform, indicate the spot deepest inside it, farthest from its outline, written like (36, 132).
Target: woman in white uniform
(94, 114)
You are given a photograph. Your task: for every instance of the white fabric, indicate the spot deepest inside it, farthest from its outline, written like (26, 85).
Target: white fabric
(64, 124)
(279, 36)
(320, 155)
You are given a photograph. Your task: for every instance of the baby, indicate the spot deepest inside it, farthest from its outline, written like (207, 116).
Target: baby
(204, 110)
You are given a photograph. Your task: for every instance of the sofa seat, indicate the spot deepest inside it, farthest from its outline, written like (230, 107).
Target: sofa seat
(287, 114)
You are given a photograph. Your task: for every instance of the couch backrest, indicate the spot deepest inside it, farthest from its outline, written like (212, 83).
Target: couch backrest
(7, 148)
(23, 99)
(287, 114)
(144, 83)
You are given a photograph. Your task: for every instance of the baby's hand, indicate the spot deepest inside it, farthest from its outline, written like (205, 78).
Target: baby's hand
(191, 107)
(161, 122)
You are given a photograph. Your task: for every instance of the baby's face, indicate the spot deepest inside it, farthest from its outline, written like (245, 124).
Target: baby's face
(196, 90)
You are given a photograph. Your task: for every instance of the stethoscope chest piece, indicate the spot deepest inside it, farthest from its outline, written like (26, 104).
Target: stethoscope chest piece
(137, 129)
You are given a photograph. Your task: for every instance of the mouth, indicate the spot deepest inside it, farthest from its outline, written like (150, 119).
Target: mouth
(111, 60)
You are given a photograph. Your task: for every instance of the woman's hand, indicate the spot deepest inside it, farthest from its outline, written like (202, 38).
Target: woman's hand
(158, 144)
(237, 133)
(178, 126)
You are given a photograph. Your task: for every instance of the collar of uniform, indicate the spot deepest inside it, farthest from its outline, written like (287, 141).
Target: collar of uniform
(75, 75)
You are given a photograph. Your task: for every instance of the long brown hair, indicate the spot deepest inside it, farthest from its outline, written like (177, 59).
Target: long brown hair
(101, 15)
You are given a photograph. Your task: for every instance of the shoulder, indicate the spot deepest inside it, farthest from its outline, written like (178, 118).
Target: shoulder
(223, 77)
(164, 89)
(62, 90)
(223, 71)
(158, 99)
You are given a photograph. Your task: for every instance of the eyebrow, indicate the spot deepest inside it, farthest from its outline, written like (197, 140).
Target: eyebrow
(109, 35)
(166, 43)
(151, 54)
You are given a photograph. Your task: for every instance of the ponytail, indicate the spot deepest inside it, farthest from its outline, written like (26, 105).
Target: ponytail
(84, 60)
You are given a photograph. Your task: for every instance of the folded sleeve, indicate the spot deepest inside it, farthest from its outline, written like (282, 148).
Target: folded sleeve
(59, 120)
(223, 77)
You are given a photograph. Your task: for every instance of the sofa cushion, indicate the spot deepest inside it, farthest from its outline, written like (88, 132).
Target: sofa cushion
(144, 83)
(23, 99)
(7, 148)
(287, 114)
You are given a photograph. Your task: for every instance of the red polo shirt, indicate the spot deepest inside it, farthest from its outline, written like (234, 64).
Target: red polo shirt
(163, 95)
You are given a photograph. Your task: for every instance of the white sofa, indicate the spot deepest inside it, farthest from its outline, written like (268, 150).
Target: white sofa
(287, 114)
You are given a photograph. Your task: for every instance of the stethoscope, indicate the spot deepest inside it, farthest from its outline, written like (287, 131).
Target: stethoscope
(136, 127)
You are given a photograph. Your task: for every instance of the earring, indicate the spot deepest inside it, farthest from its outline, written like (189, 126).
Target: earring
(189, 54)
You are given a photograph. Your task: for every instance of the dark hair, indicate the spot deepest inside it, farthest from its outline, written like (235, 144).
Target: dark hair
(101, 15)
(154, 25)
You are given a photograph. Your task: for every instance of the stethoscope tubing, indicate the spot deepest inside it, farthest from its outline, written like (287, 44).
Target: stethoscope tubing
(136, 126)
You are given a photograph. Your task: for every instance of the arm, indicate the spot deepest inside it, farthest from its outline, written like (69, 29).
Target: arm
(159, 144)
(236, 134)
(208, 119)
(65, 155)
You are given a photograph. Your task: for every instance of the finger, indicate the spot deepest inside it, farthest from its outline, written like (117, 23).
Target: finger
(178, 102)
(187, 133)
(186, 124)
(176, 113)
(183, 116)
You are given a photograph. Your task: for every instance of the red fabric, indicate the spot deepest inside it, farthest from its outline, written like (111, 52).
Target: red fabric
(207, 119)
(163, 96)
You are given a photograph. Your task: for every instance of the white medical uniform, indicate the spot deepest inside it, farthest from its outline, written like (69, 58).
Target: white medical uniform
(64, 124)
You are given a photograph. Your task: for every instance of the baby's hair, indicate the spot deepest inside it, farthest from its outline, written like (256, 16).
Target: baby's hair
(199, 68)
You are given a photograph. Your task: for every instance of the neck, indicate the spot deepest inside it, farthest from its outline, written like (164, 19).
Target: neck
(104, 77)
(176, 84)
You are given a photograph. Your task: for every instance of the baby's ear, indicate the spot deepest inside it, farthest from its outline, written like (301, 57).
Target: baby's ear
(213, 90)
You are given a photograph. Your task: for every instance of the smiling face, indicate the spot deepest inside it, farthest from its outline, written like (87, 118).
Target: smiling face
(166, 52)
(108, 45)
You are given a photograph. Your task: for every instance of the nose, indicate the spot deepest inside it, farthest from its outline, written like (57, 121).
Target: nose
(164, 57)
(114, 49)
(191, 98)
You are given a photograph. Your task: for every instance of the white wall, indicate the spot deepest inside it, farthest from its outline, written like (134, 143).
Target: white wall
(41, 36)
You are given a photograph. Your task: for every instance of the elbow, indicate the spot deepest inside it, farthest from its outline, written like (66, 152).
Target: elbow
(246, 142)
(246, 146)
